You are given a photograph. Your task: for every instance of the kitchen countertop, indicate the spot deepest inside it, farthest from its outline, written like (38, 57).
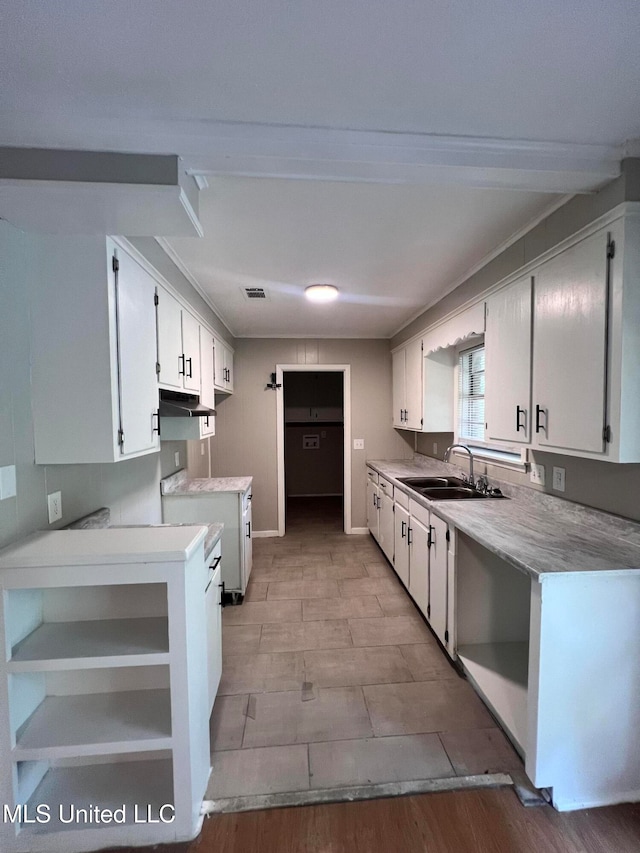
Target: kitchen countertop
(181, 484)
(101, 519)
(539, 534)
(110, 545)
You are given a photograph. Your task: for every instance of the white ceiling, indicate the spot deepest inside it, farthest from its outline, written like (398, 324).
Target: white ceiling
(432, 130)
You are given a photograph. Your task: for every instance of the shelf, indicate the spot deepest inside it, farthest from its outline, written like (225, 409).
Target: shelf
(107, 786)
(500, 672)
(99, 723)
(96, 643)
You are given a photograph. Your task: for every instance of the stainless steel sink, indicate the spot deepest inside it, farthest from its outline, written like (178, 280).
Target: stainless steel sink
(447, 489)
(452, 493)
(432, 482)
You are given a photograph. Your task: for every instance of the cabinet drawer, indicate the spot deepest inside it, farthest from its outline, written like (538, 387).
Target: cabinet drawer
(401, 498)
(372, 475)
(386, 486)
(420, 512)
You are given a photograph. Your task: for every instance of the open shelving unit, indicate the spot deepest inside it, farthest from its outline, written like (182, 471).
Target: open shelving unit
(108, 709)
(492, 634)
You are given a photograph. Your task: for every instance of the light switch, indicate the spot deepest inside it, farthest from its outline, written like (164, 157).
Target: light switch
(558, 479)
(358, 443)
(7, 482)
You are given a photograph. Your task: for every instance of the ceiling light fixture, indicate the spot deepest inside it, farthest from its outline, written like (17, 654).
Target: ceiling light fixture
(321, 292)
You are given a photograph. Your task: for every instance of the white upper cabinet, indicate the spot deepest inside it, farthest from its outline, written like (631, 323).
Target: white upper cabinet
(570, 352)
(178, 345)
(223, 373)
(93, 352)
(207, 392)
(407, 386)
(508, 364)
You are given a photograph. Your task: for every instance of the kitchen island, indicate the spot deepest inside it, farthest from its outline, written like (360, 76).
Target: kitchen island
(539, 601)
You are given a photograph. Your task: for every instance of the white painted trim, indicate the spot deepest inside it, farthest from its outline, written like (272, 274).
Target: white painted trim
(264, 534)
(360, 531)
(188, 209)
(627, 208)
(193, 281)
(345, 369)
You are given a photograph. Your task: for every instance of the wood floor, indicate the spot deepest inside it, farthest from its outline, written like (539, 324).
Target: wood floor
(487, 821)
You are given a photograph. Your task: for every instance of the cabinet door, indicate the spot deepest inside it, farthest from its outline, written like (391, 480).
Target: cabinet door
(136, 352)
(386, 526)
(398, 387)
(569, 371)
(413, 385)
(508, 364)
(207, 426)
(169, 315)
(228, 362)
(401, 562)
(213, 602)
(419, 563)
(191, 351)
(373, 494)
(207, 393)
(219, 362)
(438, 581)
(247, 543)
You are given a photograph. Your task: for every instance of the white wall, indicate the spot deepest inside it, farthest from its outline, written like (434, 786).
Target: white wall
(245, 440)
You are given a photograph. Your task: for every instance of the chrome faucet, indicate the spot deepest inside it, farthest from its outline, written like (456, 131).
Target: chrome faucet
(447, 454)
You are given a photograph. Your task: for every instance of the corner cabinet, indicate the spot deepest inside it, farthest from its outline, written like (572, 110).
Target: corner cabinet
(103, 648)
(93, 352)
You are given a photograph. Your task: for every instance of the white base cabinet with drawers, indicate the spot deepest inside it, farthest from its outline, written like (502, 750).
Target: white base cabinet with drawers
(233, 509)
(103, 647)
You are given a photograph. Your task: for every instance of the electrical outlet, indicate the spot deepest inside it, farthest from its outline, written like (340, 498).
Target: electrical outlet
(202, 448)
(358, 443)
(537, 474)
(176, 458)
(435, 448)
(54, 503)
(558, 479)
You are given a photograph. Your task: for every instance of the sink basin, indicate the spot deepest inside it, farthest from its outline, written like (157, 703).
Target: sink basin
(451, 493)
(431, 482)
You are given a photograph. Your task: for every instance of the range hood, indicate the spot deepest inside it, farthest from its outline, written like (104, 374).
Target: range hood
(173, 404)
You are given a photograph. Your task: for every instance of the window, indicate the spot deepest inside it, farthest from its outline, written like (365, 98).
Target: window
(471, 394)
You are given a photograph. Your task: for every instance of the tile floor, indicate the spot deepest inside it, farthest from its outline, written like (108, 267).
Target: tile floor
(331, 677)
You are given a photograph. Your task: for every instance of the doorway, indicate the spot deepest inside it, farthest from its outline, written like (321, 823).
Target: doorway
(313, 444)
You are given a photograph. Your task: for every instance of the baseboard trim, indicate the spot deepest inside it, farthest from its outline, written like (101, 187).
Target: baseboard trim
(263, 534)
(360, 531)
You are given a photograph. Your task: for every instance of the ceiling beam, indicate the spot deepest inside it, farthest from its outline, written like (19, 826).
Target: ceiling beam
(320, 153)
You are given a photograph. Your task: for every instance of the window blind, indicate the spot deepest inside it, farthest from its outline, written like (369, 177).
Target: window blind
(471, 394)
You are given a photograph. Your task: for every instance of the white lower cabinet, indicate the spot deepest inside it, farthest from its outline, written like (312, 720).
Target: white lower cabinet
(233, 509)
(419, 563)
(373, 500)
(401, 525)
(385, 518)
(213, 604)
(103, 651)
(437, 613)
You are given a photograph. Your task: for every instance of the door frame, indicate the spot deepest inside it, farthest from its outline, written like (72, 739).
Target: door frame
(345, 369)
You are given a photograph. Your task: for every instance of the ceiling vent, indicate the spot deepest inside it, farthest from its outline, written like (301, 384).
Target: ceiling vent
(254, 293)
